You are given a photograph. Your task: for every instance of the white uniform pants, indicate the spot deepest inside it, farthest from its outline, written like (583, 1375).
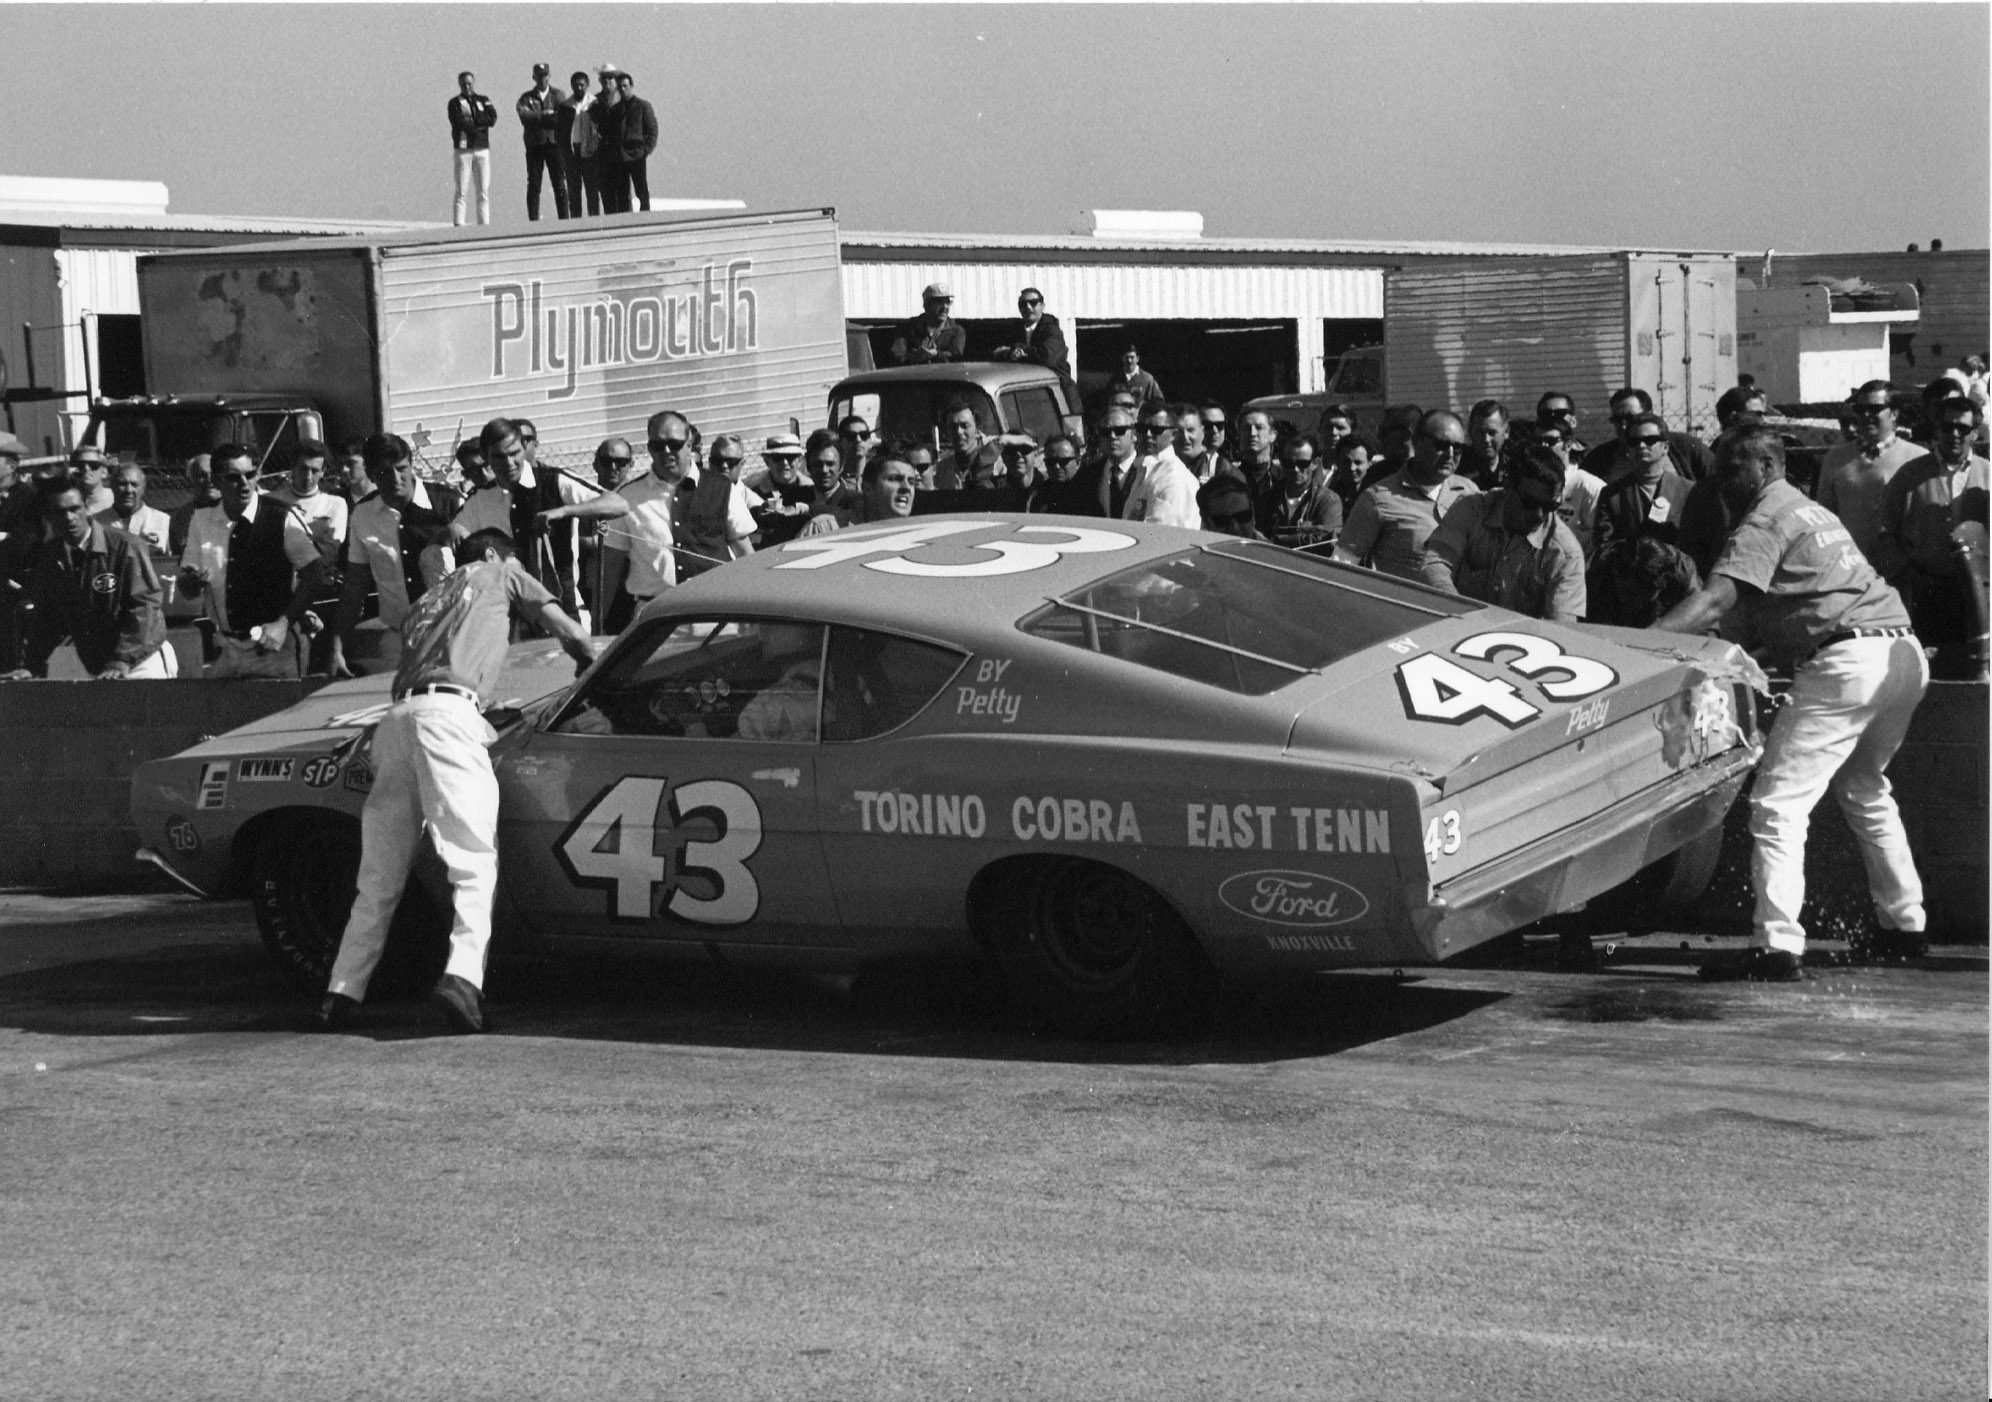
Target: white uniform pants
(1848, 710)
(473, 168)
(430, 766)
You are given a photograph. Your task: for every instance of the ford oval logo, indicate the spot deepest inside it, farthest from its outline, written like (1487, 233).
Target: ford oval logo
(1302, 898)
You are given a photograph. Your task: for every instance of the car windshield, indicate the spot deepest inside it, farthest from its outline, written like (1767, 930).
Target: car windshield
(913, 411)
(1246, 617)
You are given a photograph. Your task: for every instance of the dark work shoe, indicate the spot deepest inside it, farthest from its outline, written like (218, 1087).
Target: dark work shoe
(1758, 964)
(335, 1012)
(460, 1002)
(1875, 945)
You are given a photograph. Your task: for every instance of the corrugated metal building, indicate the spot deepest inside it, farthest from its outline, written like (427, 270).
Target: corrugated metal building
(1955, 287)
(69, 284)
(1232, 317)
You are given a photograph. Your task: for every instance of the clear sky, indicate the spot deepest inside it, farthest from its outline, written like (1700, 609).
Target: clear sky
(1799, 127)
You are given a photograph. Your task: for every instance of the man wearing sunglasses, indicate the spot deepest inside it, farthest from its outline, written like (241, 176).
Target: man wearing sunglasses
(1225, 505)
(1918, 550)
(1616, 459)
(1559, 411)
(1507, 547)
(639, 550)
(1648, 501)
(1164, 491)
(1854, 475)
(1039, 340)
(254, 560)
(1388, 527)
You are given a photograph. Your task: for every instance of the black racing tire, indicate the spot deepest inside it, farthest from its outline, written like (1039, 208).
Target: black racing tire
(1091, 953)
(1680, 879)
(302, 879)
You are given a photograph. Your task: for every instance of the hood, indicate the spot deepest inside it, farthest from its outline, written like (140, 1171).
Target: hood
(533, 671)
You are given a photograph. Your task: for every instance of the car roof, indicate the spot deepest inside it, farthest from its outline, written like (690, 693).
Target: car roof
(984, 374)
(835, 578)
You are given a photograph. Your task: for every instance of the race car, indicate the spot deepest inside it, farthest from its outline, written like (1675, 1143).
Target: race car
(1124, 761)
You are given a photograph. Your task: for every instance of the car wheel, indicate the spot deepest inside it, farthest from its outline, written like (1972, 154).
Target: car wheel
(302, 881)
(1681, 877)
(1091, 953)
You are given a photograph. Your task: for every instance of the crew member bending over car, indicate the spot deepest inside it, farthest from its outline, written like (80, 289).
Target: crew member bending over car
(1793, 578)
(431, 766)
(1508, 547)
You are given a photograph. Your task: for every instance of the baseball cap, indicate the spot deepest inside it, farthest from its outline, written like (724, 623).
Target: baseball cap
(782, 445)
(540, 70)
(606, 70)
(11, 445)
(937, 289)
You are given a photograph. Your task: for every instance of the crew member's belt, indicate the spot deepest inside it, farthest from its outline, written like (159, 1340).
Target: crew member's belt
(439, 689)
(1847, 635)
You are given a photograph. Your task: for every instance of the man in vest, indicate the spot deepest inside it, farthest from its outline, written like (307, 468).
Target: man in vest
(384, 546)
(254, 559)
(525, 505)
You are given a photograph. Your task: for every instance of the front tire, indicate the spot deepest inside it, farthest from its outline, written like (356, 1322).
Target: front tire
(303, 878)
(1091, 953)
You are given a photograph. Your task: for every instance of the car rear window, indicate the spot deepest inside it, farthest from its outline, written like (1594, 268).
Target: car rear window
(1247, 618)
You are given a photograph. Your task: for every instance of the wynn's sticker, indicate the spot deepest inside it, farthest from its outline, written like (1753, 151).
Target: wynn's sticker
(264, 771)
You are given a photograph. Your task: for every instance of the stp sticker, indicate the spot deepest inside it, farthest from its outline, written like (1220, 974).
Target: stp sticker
(1302, 899)
(104, 583)
(319, 772)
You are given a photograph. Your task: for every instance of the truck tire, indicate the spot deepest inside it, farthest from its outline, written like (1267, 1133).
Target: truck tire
(303, 877)
(1089, 952)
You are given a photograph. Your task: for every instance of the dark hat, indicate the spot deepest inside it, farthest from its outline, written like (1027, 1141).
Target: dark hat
(540, 70)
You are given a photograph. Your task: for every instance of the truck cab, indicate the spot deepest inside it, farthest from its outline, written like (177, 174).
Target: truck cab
(909, 402)
(1354, 379)
(163, 431)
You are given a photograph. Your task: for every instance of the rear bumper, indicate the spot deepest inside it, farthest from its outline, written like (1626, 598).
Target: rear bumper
(1579, 862)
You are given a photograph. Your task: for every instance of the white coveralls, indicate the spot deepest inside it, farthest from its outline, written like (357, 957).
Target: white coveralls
(429, 758)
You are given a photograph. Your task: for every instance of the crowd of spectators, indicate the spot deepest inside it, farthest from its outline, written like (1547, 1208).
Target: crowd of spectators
(1518, 512)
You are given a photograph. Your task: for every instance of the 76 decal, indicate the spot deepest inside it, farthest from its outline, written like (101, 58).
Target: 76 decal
(1436, 688)
(614, 844)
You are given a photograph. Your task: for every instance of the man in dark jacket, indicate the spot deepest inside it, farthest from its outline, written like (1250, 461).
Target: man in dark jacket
(539, 113)
(471, 118)
(636, 139)
(94, 585)
(1040, 340)
(933, 337)
(607, 115)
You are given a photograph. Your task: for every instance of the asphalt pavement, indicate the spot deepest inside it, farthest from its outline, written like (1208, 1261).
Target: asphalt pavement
(1503, 1181)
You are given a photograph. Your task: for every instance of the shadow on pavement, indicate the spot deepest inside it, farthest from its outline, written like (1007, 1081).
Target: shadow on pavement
(206, 988)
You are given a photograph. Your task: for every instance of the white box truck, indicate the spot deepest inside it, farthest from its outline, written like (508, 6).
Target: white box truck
(736, 320)
(1585, 324)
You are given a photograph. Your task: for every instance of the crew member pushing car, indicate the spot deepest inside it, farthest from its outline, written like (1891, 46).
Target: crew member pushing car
(431, 766)
(1801, 589)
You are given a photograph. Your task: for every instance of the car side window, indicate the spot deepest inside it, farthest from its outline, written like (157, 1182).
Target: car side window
(1032, 410)
(710, 679)
(876, 682)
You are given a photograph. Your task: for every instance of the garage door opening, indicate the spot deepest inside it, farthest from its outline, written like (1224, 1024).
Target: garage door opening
(1229, 361)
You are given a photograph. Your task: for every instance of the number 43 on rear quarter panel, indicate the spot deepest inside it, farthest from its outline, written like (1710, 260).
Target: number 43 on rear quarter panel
(1437, 689)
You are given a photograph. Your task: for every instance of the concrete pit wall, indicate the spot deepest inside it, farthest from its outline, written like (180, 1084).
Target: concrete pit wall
(67, 753)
